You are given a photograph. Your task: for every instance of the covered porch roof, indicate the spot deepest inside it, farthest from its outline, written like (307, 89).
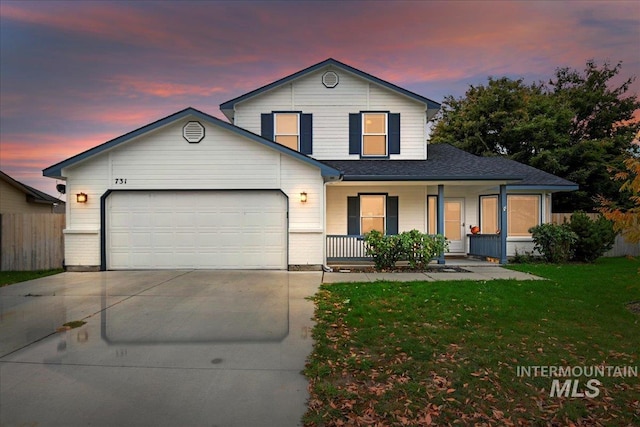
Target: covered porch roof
(447, 163)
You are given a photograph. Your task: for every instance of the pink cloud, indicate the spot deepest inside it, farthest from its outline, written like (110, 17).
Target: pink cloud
(132, 85)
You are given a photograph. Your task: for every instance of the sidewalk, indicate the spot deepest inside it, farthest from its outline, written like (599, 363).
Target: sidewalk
(474, 273)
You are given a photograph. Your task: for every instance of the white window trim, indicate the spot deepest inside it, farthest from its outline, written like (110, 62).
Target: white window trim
(524, 238)
(386, 134)
(275, 128)
(384, 211)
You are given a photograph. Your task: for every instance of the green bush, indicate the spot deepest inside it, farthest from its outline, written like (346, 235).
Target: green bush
(554, 242)
(385, 250)
(594, 237)
(413, 246)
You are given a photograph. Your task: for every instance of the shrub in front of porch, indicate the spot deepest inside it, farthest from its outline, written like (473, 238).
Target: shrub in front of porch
(417, 248)
(554, 242)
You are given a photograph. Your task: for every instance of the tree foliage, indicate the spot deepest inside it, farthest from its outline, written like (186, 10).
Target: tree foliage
(575, 126)
(626, 221)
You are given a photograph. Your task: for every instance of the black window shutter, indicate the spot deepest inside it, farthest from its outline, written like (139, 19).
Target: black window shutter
(392, 215)
(306, 134)
(267, 126)
(353, 216)
(355, 133)
(394, 133)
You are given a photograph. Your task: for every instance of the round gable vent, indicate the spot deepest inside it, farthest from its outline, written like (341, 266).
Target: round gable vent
(330, 79)
(193, 132)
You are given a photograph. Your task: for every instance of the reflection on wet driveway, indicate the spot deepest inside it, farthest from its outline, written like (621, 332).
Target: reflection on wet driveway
(158, 348)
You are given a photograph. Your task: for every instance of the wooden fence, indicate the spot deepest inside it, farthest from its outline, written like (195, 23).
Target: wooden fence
(620, 248)
(30, 242)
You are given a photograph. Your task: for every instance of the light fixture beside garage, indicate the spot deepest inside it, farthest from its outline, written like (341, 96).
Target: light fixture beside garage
(303, 197)
(81, 198)
(193, 132)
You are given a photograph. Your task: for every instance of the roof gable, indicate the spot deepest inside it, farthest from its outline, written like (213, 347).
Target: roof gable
(55, 171)
(228, 107)
(33, 194)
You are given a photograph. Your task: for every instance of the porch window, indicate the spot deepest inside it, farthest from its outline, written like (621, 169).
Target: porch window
(366, 212)
(372, 213)
(287, 129)
(489, 214)
(432, 214)
(374, 134)
(523, 212)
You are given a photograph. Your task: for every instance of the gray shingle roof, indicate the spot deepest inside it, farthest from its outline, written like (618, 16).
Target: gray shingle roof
(447, 163)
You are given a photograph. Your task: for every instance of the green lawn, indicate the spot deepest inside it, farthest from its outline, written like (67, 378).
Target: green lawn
(11, 277)
(448, 352)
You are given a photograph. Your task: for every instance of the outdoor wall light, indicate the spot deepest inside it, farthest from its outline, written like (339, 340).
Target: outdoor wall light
(303, 197)
(81, 198)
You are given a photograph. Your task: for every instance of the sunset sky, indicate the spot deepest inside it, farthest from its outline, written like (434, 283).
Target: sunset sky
(76, 74)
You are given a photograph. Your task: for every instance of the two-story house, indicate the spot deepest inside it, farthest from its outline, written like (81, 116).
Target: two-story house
(305, 167)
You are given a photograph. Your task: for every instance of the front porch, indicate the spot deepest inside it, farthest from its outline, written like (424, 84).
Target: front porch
(450, 209)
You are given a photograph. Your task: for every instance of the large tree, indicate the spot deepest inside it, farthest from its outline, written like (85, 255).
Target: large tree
(576, 126)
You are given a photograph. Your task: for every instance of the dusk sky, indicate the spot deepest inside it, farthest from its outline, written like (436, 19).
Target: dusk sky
(76, 74)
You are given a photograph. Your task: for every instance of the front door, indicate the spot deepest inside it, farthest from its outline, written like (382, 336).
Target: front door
(454, 224)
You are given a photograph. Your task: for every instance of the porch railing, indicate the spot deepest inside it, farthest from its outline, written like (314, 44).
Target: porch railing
(346, 248)
(485, 245)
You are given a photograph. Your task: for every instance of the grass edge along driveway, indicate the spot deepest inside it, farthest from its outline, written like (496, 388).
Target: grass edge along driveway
(443, 353)
(11, 277)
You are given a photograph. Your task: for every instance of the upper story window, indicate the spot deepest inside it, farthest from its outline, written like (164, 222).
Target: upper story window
(292, 129)
(374, 134)
(287, 129)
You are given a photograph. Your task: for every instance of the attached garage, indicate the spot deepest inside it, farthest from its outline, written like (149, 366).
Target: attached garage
(196, 229)
(190, 191)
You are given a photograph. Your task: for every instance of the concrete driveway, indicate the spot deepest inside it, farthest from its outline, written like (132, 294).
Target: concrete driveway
(161, 348)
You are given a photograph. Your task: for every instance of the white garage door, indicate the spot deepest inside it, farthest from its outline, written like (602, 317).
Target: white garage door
(196, 229)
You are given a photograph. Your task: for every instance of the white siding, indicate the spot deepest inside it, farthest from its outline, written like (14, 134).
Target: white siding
(331, 108)
(306, 220)
(163, 160)
(522, 245)
(411, 205)
(82, 248)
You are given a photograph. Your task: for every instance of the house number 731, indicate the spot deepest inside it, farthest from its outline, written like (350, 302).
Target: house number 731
(121, 180)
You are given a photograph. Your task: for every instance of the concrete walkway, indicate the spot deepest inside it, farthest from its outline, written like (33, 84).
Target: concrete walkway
(160, 348)
(485, 272)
